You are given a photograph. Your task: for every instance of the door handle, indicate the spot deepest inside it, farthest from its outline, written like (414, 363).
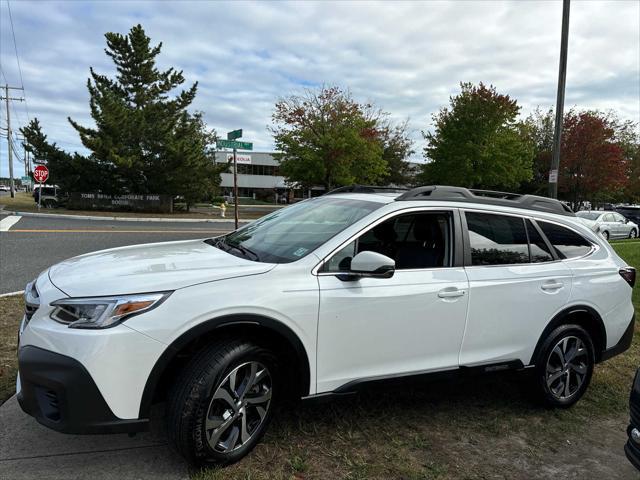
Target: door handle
(552, 286)
(451, 293)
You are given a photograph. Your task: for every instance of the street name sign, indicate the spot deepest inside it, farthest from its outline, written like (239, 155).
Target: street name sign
(40, 173)
(234, 135)
(234, 144)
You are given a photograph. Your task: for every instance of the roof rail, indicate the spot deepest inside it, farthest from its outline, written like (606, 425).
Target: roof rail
(488, 197)
(366, 189)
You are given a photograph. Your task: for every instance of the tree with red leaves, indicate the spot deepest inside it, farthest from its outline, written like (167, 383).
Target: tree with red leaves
(593, 165)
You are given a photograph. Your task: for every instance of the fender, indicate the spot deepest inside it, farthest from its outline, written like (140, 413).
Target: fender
(209, 326)
(600, 343)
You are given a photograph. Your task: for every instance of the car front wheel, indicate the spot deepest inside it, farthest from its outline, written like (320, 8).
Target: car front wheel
(221, 405)
(564, 366)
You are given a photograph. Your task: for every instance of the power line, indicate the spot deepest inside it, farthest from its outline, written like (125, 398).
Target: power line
(15, 47)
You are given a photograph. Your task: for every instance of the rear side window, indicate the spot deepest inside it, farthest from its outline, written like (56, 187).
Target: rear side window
(566, 243)
(497, 239)
(539, 249)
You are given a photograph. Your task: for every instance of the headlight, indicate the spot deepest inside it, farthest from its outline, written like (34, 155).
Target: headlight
(104, 312)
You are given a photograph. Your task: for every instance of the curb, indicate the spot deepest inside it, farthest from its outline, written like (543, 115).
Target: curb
(11, 294)
(125, 219)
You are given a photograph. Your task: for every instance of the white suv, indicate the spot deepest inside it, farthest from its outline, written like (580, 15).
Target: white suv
(319, 298)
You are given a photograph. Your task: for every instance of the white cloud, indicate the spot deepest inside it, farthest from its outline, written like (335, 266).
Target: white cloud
(407, 57)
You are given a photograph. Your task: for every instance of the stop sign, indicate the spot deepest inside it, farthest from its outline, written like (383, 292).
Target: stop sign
(41, 173)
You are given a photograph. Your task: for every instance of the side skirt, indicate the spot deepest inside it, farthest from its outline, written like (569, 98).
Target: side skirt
(388, 381)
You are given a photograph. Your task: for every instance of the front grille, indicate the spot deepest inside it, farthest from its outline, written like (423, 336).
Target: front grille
(31, 301)
(29, 310)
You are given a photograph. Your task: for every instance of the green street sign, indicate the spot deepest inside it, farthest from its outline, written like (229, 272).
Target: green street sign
(234, 134)
(234, 144)
(25, 179)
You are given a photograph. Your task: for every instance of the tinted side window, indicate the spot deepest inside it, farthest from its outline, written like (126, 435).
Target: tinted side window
(413, 241)
(539, 249)
(566, 243)
(497, 239)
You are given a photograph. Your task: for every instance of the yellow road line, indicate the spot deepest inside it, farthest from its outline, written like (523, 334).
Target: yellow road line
(17, 230)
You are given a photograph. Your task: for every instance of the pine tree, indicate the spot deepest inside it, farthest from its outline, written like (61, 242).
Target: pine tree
(140, 128)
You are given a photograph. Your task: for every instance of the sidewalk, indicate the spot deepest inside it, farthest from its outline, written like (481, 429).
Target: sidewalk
(28, 450)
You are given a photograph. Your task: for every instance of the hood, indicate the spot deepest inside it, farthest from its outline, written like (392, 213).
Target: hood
(149, 268)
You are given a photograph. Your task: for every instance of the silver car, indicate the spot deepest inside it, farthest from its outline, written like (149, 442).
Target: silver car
(609, 224)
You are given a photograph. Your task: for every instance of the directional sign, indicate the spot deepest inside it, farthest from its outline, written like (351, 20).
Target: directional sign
(41, 173)
(234, 135)
(235, 144)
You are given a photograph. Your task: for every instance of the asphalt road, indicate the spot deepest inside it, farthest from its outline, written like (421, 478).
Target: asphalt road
(33, 244)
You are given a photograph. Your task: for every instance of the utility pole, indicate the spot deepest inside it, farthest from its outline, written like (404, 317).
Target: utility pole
(9, 150)
(562, 78)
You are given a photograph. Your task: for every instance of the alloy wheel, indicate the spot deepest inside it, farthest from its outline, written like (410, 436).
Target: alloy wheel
(567, 367)
(633, 233)
(238, 407)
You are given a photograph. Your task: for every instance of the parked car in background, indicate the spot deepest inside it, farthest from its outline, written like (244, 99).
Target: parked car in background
(609, 224)
(320, 298)
(4, 188)
(50, 195)
(632, 448)
(631, 212)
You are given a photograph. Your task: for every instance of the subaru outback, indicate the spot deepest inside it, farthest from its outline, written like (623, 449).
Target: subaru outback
(317, 299)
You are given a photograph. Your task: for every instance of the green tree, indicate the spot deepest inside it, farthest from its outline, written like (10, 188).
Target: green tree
(153, 143)
(327, 138)
(397, 147)
(71, 172)
(478, 142)
(539, 128)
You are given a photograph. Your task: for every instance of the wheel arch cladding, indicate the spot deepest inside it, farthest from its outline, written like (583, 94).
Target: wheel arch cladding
(583, 316)
(263, 330)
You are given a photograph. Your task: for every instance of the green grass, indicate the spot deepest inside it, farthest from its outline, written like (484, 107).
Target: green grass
(11, 309)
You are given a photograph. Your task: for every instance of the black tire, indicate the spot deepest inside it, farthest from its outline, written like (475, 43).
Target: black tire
(554, 393)
(605, 234)
(633, 233)
(191, 401)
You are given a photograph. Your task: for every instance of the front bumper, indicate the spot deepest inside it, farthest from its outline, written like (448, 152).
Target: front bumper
(59, 392)
(632, 448)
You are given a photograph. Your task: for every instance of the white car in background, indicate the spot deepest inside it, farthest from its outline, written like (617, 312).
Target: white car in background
(609, 224)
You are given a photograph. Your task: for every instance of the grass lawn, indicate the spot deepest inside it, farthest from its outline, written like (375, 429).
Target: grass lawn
(473, 428)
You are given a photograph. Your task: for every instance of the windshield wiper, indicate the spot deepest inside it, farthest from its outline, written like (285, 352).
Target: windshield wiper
(222, 244)
(244, 250)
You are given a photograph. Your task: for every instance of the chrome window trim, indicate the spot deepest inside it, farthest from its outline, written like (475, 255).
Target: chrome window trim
(594, 247)
(315, 271)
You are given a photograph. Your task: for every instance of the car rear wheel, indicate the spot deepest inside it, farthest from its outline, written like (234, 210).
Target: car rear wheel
(605, 234)
(633, 233)
(222, 403)
(564, 366)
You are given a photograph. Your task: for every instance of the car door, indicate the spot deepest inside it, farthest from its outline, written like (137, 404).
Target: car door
(609, 224)
(623, 228)
(516, 286)
(410, 323)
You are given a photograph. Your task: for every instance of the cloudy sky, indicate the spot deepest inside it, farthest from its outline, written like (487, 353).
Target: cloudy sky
(406, 57)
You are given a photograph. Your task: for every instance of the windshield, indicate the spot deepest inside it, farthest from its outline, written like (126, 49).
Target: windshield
(291, 233)
(588, 215)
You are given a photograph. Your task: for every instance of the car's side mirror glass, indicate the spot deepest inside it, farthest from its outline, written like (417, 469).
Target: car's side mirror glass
(372, 264)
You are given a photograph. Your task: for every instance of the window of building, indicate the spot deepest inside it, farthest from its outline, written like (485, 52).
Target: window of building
(414, 241)
(497, 239)
(566, 243)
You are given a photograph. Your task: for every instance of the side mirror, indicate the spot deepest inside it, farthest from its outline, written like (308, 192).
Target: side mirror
(372, 264)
